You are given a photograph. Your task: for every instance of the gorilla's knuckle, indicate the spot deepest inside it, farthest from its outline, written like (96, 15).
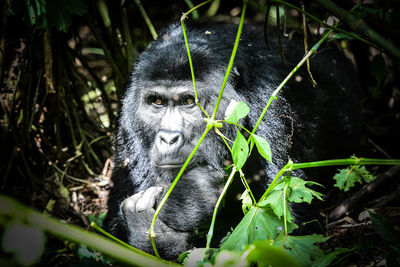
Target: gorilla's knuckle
(128, 205)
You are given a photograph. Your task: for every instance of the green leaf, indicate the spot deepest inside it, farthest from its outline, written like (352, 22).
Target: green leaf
(258, 224)
(347, 178)
(265, 254)
(297, 192)
(26, 242)
(240, 150)
(384, 228)
(262, 146)
(246, 201)
(251, 145)
(276, 201)
(303, 248)
(300, 193)
(98, 220)
(236, 111)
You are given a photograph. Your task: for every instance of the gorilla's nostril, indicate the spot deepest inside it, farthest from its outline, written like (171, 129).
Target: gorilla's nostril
(174, 140)
(170, 138)
(163, 139)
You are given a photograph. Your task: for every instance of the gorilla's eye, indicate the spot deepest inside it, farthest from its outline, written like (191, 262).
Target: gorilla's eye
(155, 100)
(187, 100)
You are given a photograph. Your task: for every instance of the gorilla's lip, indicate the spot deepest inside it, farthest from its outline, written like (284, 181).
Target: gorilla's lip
(167, 165)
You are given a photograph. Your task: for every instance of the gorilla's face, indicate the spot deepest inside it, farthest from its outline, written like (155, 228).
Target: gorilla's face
(174, 119)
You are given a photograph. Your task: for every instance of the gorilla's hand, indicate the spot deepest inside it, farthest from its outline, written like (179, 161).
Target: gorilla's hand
(142, 201)
(138, 211)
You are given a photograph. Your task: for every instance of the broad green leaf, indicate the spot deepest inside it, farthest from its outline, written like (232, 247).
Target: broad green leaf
(300, 193)
(236, 111)
(265, 254)
(347, 178)
(240, 150)
(262, 146)
(26, 242)
(384, 228)
(303, 248)
(276, 201)
(258, 224)
(297, 192)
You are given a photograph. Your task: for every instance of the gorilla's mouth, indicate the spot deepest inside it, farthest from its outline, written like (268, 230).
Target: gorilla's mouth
(167, 165)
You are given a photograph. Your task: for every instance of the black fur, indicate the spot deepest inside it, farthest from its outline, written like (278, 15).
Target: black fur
(325, 122)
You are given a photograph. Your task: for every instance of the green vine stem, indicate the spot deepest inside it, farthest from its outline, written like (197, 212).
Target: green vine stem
(211, 123)
(231, 60)
(349, 161)
(247, 187)
(277, 90)
(12, 211)
(287, 183)
(221, 197)
(290, 166)
(286, 168)
(130, 49)
(152, 234)
(99, 229)
(146, 19)
(184, 16)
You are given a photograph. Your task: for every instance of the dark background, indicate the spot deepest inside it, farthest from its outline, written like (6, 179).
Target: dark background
(63, 68)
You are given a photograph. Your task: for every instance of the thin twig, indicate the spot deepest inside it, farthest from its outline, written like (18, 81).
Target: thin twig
(146, 19)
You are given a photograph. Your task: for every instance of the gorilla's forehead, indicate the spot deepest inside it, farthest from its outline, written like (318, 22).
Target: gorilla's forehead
(168, 90)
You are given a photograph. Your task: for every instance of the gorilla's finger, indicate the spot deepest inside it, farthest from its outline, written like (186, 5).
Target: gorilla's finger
(129, 204)
(148, 199)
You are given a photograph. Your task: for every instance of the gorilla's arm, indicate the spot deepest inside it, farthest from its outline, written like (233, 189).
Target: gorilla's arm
(189, 206)
(192, 202)
(137, 212)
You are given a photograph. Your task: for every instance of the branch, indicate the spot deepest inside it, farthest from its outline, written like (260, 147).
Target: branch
(13, 211)
(358, 25)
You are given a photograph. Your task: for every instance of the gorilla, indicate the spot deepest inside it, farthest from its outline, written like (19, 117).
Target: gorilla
(160, 123)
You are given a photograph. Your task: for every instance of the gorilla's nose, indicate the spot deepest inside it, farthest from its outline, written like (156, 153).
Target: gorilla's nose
(170, 140)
